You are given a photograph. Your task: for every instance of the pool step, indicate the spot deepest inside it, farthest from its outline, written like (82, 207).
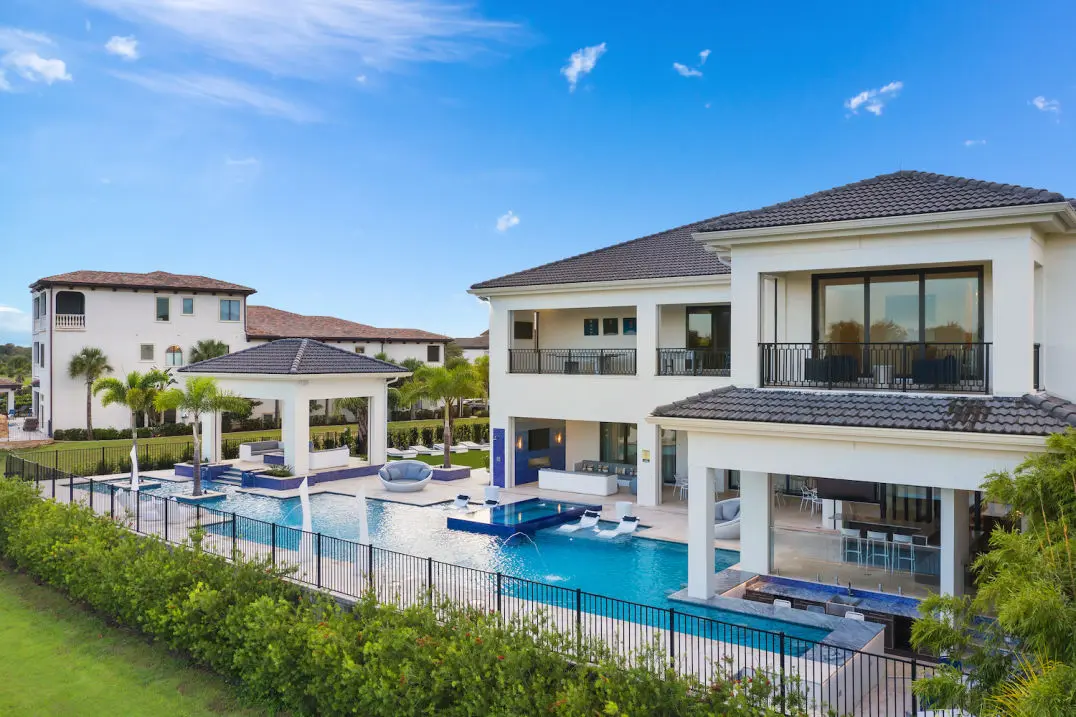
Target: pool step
(231, 477)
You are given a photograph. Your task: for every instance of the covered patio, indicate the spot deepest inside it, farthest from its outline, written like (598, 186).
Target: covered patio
(295, 372)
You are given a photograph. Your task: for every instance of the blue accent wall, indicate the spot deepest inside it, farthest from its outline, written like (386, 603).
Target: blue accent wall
(498, 457)
(525, 471)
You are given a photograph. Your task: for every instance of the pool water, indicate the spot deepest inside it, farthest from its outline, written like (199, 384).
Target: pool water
(634, 569)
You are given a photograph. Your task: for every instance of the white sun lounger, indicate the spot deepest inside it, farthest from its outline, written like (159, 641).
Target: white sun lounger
(462, 501)
(627, 526)
(589, 520)
(471, 445)
(400, 453)
(425, 451)
(456, 448)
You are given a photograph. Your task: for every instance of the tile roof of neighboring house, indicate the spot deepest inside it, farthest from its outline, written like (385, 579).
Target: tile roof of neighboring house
(293, 356)
(887, 195)
(1030, 415)
(666, 254)
(265, 322)
(477, 342)
(152, 280)
(5, 384)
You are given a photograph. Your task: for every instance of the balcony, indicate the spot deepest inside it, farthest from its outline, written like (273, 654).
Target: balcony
(600, 362)
(924, 367)
(694, 362)
(70, 322)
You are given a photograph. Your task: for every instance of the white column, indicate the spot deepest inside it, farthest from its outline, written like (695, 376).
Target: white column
(649, 472)
(509, 451)
(377, 435)
(955, 540)
(295, 417)
(10, 401)
(647, 324)
(700, 532)
(744, 320)
(1012, 350)
(211, 436)
(756, 517)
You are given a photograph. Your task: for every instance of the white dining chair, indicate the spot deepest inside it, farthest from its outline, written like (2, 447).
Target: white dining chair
(782, 603)
(878, 547)
(857, 616)
(680, 484)
(903, 552)
(852, 544)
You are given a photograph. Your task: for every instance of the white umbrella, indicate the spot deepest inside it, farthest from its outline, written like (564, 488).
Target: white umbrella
(134, 468)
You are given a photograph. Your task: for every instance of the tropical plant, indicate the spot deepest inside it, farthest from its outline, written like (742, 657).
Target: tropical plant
(1022, 659)
(359, 408)
(198, 398)
(395, 396)
(137, 392)
(207, 349)
(446, 385)
(89, 364)
(453, 355)
(481, 370)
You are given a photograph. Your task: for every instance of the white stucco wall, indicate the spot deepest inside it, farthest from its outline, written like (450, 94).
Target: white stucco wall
(1056, 332)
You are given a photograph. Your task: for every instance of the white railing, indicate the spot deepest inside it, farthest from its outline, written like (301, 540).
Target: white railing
(71, 322)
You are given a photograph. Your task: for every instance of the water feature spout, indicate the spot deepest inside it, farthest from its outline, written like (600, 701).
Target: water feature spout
(364, 527)
(134, 469)
(304, 501)
(529, 538)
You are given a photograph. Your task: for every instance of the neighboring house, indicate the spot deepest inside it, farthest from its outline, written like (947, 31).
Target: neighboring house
(874, 350)
(474, 347)
(142, 321)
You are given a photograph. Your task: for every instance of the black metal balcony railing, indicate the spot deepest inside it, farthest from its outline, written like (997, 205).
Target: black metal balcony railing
(694, 362)
(935, 367)
(602, 362)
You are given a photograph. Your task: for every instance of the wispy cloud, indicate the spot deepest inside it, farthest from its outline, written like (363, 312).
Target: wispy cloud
(686, 71)
(974, 142)
(874, 101)
(125, 47)
(507, 221)
(581, 63)
(241, 162)
(13, 321)
(1044, 105)
(20, 52)
(703, 56)
(361, 79)
(321, 37)
(221, 91)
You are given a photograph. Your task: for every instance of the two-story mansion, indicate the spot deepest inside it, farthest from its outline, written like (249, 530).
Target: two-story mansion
(142, 321)
(852, 363)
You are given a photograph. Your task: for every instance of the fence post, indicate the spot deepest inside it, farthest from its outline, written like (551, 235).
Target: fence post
(578, 621)
(102, 456)
(166, 502)
(233, 536)
(138, 511)
(912, 687)
(370, 566)
(782, 638)
(273, 544)
(70, 488)
(317, 548)
(198, 514)
(429, 579)
(53, 482)
(672, 634)
(111, 501)
(499, 611)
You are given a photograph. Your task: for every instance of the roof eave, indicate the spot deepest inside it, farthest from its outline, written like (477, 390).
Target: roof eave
(43, 283)
(585, 286)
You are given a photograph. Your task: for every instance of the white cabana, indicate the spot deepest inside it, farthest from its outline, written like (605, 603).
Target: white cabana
(295, 372)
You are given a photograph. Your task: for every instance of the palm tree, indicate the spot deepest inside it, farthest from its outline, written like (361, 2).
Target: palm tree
(358, 405)
(207, 349)
(89, 364)
(481, 370)
(395, 396)
(438, 383)
(199, 397)
(137, 393)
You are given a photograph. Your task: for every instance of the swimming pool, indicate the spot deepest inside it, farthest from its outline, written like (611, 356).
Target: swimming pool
(527, 516)
(636, 569)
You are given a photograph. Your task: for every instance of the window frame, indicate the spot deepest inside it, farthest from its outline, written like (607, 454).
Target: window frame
(183, 306)
(168, 352)
(239, 311)
(167, 309)
(615, 323)
(142, 354)
(431, 350)
(634, 325)
(517, 334)
(588, 323)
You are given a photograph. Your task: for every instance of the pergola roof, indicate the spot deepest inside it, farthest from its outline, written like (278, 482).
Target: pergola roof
(297, 357)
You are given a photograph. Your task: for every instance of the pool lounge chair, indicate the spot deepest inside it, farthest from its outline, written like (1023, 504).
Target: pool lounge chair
(456, 448)
(627, 526)
(493, 495)
(727, 519)
(400, 453)
(472, 446)
(589, 520)
(462, 501)
(426, 450)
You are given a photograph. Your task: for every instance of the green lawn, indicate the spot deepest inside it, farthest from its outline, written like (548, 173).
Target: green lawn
(472, 459)
(59, 659)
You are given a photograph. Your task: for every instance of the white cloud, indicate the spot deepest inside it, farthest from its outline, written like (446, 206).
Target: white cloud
(221, 91)
(32, 67)
(125, 47)
(581, 63)
(361, 79)
(874, 101)
(707, 105)
(13, 321)
(89, 25)
(312, 37)
(1044, 105)
(686, 71)
(703, 56)
(507, 221)
(12, 38)
(5, 86)
(243, 162)
(974, 142)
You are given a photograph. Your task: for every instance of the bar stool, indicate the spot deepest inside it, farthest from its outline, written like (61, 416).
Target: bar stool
(900, 555)
(857, 616)
(778, 602)
(852, 537)
(878, 547)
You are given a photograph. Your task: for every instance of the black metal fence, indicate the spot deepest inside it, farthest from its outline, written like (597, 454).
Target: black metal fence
(828, 678)
(694, 362)
(602, 362)
(935, 367)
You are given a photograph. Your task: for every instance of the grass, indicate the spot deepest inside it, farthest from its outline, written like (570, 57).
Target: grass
(60, 659)
(471, 459)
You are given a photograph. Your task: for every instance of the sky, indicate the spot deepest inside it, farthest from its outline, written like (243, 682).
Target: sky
(371, 159)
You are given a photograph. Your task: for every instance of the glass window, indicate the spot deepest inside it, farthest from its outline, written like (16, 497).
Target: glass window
(229, 310)
(610, 326)
(146, 352)
(360, 349)
(629, 325)
(708, 327)
(523, 330)
(188, 306)
(163, 305)
(951, 307)
(173, 356)
(894, 309)
(590, 327)
(840, 309)
(67, 302)
(618, 442)
(433, 353)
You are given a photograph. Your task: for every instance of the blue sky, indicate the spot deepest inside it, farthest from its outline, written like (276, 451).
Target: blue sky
(372, 160)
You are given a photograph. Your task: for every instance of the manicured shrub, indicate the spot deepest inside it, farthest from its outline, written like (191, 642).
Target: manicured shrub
(305, 653)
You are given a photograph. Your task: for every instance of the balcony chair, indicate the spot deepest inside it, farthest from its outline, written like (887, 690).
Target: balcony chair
(903, 552)
(852, 544)
(878, 546)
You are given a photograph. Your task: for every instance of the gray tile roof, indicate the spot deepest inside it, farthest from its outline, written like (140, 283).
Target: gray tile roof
(1030, 415)
(666, 254)
(293, 356)
(887, 195)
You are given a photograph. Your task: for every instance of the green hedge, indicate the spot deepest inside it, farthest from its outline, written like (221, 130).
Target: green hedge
(477, 431)
(306, 654)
